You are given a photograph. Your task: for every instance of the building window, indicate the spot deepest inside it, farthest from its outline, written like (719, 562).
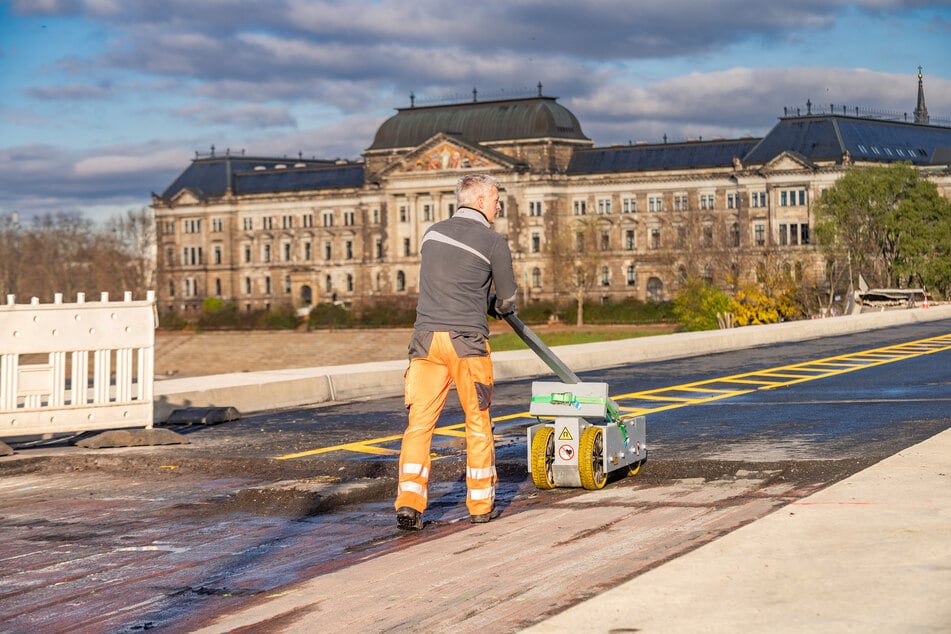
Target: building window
(378, 248)
(406, 247)
(328, 217)
(400, 281)
(307, 220)
(192, 226)
(308, 254)
(191, 256)
(349, 218)
(171, 288)
(680, 202)
(605, 241)
(217, 254)
(348, 249)
(427, 212)
(732, 201)
(536, 277)
(655, 203)
(247, 253)
(706, 201)
(217, 226)
(169, 227)
(536, 242)
(735, 234)
(376, 216)
(247, 286)
(451, 209)
(328, 284)
(170, 256)
(535, 208)
(758, 199)
(287, 251)
(287, 284)
(266, 254)
(580, 207)
(247, 223)
(782, 235)
(328, 250)
(629, 205)
(708, 235)
(218, 286)
(629, 240)
(579, 242)
(287, 222)
(655, 238)
(267, 284)
(655, 290)
(759, 234)
(267, 223)
(605, 276)
(804, 234)
(349, 283)
(631, 275)
(404, 214)
(604, 206)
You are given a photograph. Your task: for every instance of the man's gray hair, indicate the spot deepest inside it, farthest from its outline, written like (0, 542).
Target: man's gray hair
(471, 186)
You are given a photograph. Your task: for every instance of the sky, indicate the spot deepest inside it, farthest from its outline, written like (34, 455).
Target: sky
(104, 102)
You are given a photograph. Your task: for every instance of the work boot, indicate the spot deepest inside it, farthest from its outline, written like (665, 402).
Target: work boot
(409, 519)
(485, 517)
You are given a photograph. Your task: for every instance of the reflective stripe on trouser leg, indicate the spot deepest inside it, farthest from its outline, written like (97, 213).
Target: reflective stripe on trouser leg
(480, 445)
(426, 387)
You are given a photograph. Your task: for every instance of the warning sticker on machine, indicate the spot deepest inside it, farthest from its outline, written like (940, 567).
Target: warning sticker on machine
(566, 452)
(565, 434)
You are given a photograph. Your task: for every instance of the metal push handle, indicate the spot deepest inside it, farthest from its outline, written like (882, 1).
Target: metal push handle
(538, 347)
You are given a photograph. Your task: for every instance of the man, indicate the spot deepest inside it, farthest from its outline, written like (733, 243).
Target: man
(460, 259)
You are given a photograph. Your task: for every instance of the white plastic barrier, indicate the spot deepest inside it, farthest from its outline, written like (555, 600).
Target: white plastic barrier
(46, 386)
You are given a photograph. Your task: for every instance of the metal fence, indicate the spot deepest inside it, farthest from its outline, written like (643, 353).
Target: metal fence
(73, 367)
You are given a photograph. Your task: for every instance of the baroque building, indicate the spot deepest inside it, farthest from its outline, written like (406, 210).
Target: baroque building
(635, 219)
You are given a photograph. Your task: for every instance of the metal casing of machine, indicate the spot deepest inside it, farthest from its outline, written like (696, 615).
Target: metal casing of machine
(586, 439)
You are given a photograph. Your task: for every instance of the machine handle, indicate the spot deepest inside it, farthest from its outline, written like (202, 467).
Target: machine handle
(538, 347)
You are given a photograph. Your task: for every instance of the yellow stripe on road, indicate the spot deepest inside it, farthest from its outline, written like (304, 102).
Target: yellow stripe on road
(646, 402)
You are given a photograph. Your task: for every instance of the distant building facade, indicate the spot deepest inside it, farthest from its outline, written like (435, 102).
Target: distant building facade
(264, 232)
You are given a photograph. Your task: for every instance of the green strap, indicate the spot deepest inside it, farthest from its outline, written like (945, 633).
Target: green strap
(568, 398)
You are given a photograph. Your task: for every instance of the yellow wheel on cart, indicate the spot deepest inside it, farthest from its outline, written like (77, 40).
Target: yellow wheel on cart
(591, 458)
(543, 457)
(635, 468)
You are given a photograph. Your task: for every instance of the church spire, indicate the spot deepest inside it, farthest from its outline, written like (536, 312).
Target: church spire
(921, 112)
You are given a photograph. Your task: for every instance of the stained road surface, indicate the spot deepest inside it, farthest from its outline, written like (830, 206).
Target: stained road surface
(175, 537)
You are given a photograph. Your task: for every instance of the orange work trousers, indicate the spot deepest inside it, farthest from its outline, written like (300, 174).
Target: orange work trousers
(427, 384)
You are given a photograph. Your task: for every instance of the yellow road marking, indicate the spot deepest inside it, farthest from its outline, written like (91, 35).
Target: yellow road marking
(807, 371)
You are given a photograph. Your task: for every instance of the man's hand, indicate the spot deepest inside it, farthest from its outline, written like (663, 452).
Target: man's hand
(496, 310)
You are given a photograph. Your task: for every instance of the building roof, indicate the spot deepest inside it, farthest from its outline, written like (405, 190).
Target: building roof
(299, 179)
(479, 122)
(662, 156)
(210, 176)
(829, 137)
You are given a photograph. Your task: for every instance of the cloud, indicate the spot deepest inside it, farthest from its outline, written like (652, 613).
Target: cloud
(79, 92)
(738, 101)
(248, 116)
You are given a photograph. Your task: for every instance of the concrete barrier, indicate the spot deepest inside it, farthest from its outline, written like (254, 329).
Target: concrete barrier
(262, 391)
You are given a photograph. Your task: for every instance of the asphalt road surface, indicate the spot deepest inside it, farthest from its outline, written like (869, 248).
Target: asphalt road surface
(125, 540)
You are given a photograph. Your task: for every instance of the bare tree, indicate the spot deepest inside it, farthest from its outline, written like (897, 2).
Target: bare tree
(573, 260)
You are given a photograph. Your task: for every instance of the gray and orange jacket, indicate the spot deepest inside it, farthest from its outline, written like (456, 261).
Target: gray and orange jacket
(460, 259)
